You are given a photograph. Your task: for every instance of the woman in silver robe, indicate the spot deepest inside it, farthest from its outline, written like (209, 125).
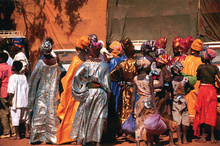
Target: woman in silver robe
(91, 87)
(43, 98)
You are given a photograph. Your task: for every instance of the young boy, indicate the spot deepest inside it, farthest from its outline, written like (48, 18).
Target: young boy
(18, 98)
(179, 110)
(5, 73)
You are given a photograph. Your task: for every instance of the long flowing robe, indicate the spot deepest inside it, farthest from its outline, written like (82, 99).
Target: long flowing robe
(190, 65)
(68, 105)
(91, 116)
(125, 71)
(114, 86)
(43, 99)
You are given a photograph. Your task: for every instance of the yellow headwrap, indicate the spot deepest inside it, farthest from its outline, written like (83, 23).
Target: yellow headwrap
(83, 42)
(197, 45)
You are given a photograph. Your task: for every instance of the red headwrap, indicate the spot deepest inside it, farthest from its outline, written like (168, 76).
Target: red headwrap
(161, 43)
(185, 43)
(176, 41)
(94, 47)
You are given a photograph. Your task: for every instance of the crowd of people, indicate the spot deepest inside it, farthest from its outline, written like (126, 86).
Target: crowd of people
(113, 92)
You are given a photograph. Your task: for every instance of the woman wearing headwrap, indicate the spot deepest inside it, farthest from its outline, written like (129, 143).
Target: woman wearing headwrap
(44, 97)
(176, 46)
(114, 125)
(190, 66)
(206, 104)
(162, 98)
(145, 105)
(91, 87)
(185, 45)
(160, 46)
(146, 48)
(68, 106)
(125, 71)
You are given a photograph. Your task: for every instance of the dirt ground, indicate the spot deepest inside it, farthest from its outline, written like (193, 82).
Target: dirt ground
(121, 141)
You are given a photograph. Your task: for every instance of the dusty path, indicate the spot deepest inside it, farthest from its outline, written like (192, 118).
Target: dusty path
(119, 142)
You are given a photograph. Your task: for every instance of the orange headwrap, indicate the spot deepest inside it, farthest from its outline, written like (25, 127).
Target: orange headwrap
(197, 45)
(83, 42)
(176, 41)
(161, 43)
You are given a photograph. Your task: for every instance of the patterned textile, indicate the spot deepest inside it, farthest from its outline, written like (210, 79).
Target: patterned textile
(147, 46)
(197, 45)
(185, 43)
(127, 46)
(83, 42)
(91, 116)
(143, 107)
(117, 49)
(161, 43)
(125, 71)
(164, 59)
(159, 52)
(46, 48)
(142, 63)
(43, 99)
(177, 67)
(95, 48)
(19, 42)
(206, 107)
(68, 105)
(93, 37)
(208, 54)
(176, 41)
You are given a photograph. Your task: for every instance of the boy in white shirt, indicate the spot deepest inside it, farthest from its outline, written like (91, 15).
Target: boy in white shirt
(18, 99)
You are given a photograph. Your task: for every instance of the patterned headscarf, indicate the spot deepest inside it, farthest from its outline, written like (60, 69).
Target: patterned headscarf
(177, 67)
(93, 38)
(208, 54)
(142, 63)
(19, 42)
(160, 51)
(46, 47)
(161, 43)
(176, 41)
(197, 45)
(127, 46)
(147, 46)
(83, 42)
(164, 59)
(95, 46)
(117, 49)
(185, 43)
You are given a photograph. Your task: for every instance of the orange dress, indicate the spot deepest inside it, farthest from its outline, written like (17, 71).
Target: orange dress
(68, 105)
(190, 65)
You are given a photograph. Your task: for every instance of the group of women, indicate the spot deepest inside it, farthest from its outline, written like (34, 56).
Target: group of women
(98, 89)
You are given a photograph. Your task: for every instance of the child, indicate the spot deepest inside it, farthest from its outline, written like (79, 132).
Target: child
(162, 98)
(145, 106)
(206, 104)
(179, 110)
(5, 73)
(18, 99)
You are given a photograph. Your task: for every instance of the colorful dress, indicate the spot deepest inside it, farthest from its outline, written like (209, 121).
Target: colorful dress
(206, 104)
(90, 86)
(68, 105)
(125, 71)
(190, 65)
(143, 107)
(43, 99)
